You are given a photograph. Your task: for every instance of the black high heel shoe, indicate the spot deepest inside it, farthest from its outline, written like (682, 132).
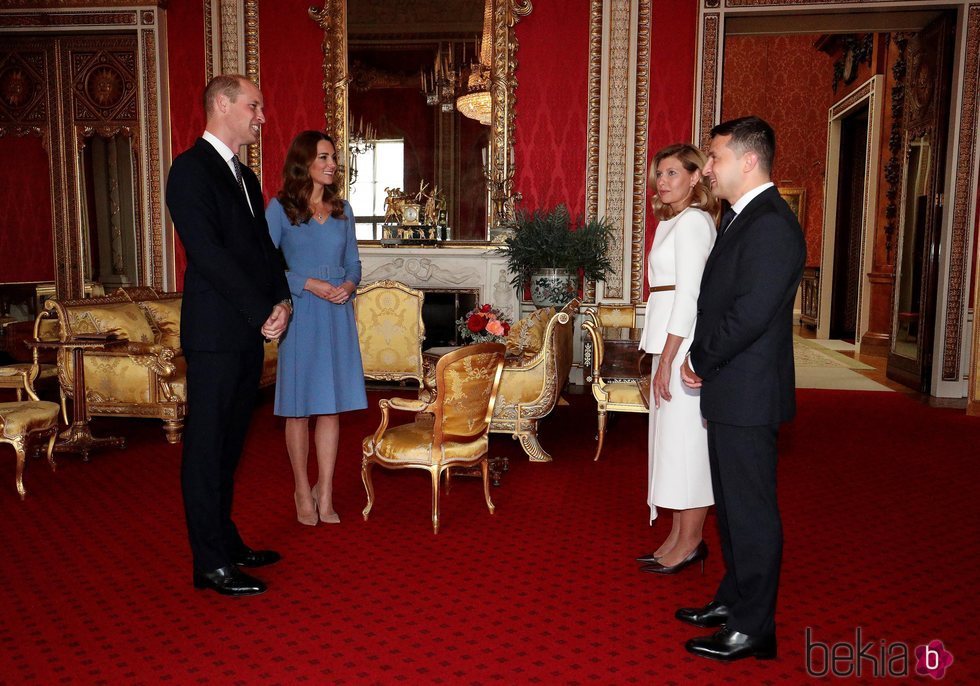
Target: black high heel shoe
(697, 555)
(649, 559)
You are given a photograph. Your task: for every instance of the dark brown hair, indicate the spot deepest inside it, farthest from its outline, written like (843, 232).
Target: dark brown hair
(750, 133)
(297, 186)
(693, 160)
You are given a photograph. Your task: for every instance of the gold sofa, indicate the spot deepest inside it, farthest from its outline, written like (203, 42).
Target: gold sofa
(539, 349)
(146, 377)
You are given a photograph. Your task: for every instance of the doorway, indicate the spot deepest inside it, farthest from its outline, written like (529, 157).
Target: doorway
(925, 132)
(851, 186)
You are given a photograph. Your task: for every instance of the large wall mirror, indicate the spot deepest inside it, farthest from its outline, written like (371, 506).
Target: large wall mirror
(419, 97)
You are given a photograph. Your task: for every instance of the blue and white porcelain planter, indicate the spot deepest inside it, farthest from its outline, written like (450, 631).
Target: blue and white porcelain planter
(553, 287)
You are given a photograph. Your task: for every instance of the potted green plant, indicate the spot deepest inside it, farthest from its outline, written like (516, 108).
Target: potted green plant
(550, 253)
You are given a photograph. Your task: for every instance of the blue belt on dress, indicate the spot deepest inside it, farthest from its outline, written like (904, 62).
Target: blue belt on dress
(329, 271)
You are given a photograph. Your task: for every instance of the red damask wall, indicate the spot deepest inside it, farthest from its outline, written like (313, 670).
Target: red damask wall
(552, 105)
(673, 55)
(27, 252)
(787, 82)
(185, 62)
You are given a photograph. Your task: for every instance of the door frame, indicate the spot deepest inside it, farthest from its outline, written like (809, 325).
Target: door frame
(869, 93)
(953, 360)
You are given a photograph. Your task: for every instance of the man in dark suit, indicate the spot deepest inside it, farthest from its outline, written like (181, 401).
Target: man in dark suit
(742, 360)
(235, 292)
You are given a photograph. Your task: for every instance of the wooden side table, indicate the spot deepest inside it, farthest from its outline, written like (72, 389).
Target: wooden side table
(78, 438)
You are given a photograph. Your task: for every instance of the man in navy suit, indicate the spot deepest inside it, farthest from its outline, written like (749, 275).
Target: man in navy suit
(235, 293)
(742, 360)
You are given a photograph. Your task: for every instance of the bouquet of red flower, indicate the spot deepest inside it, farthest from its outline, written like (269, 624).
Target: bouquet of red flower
(485, 324)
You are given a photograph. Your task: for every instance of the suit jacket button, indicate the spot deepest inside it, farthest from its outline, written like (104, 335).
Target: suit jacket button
(700, 312)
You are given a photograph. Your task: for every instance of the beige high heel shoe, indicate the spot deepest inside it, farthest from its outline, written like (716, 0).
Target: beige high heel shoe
(307, 518)
(332, 518)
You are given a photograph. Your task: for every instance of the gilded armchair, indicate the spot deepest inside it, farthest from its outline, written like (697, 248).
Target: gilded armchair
(390, 330)
(539, 359)
(24, 421)
(611, 395)
(450, 431)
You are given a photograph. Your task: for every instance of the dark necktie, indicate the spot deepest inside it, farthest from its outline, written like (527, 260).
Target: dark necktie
(236, 163)
(726, 220)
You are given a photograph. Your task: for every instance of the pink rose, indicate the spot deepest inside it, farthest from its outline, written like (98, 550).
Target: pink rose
(495, 327)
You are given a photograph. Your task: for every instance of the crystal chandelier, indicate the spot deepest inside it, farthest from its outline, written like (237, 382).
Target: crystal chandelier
(477, 102)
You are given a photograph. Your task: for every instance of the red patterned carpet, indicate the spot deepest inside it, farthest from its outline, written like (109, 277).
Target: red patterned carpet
(879, 497)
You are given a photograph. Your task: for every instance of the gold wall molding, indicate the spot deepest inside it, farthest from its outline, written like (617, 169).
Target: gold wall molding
(126, 94)
(961, 178)
(618, 92)
(231, 46)
(640, 136)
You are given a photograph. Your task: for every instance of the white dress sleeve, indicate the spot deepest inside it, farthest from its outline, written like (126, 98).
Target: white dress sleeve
(694, 237)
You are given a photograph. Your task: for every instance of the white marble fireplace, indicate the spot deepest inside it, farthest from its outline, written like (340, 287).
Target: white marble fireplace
(437, 268)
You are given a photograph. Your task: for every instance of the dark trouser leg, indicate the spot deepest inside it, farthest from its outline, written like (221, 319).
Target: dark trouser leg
(212, 444)
(240, 416)
(727, 592)
(743, 467)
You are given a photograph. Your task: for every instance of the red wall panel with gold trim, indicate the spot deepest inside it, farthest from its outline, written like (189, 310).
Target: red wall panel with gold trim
(28, 250)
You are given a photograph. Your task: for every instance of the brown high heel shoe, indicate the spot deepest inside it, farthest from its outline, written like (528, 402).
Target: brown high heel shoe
(332, 518)
(307, 518)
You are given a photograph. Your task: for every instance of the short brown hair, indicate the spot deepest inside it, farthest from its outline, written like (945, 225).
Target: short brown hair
(229, 85)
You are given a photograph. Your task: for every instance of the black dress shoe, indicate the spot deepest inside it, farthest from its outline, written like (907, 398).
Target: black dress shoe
(728, 645)
(697, 555)
(229, 581)
(255, 558)
(711, 615)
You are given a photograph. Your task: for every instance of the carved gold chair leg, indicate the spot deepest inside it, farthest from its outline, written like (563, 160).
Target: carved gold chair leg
(368, 486)
(601, 436)
(485, 468)
(21, 451)
(529, 441)
(436, 477)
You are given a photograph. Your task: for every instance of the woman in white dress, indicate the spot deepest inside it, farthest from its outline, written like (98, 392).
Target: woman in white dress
(680, 479)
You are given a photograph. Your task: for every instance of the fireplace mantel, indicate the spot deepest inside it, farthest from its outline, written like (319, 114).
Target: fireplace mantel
(444, 269)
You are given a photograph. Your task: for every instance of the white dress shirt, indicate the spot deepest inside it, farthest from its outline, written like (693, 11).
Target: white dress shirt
(226, 154)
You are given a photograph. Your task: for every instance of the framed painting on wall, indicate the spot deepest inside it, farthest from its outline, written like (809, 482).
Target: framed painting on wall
(796, 199)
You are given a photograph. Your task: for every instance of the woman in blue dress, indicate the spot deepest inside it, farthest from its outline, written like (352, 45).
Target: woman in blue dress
(320, 371)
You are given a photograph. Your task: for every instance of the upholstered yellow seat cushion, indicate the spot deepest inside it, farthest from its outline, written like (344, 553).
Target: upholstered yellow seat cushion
(412, 444)
(622, 392)
(126, 320)
(527, 336)
(12, 375)
(165, 314)
(17, 419)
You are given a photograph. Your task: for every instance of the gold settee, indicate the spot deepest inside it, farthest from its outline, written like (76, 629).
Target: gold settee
(145, 377)
(539, 349)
